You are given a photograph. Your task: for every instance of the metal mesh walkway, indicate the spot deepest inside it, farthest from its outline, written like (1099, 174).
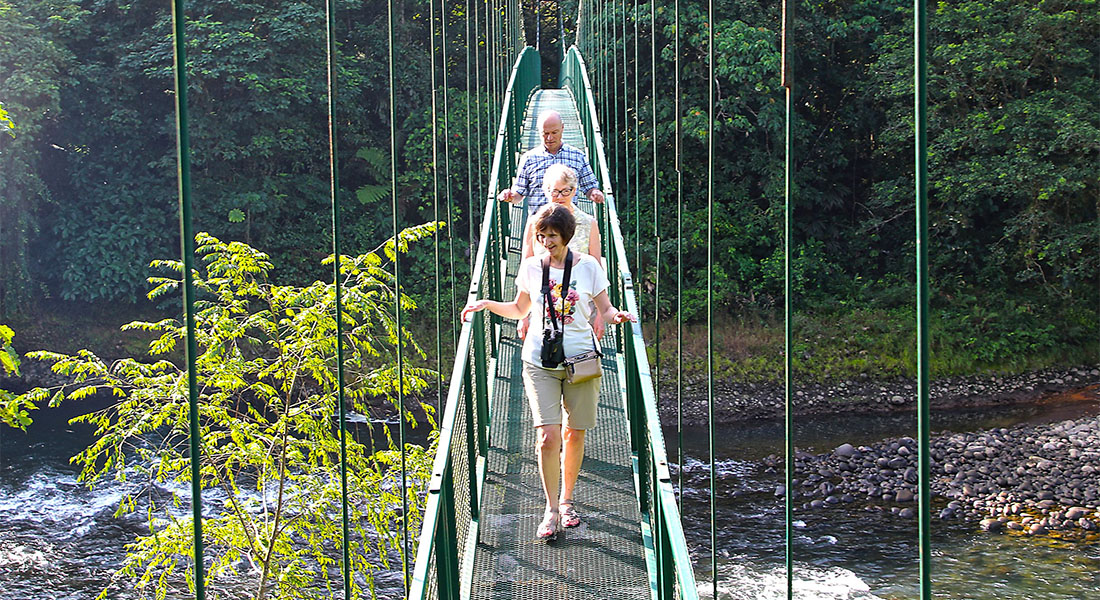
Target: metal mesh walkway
(605, 556)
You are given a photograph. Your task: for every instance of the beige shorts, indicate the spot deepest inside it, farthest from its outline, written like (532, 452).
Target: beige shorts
(549, 393)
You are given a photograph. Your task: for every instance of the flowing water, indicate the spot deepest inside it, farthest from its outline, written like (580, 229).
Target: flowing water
(851, 552)
(59, 540)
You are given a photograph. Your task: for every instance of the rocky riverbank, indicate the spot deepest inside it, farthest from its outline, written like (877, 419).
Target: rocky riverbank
(735, 401)
(1030, 479)
(738, 401)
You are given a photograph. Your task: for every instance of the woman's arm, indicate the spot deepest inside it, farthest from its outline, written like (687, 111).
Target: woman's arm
(595, 244)
(516, 309)
(528, 249)
(609, 313)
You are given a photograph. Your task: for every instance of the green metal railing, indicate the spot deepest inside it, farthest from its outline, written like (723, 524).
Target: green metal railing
(444, 557)
(668, 558)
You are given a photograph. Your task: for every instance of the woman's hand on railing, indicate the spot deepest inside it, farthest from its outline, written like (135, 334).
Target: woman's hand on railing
(473, 307)
(621, 316)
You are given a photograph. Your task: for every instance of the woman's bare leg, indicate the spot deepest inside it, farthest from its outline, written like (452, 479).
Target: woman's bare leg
(548, 451)
(571, 461)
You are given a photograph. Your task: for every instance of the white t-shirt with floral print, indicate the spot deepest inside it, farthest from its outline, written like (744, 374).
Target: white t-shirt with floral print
(587, 281)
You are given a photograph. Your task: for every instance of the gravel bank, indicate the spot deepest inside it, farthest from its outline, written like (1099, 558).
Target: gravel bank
(1030, 479)
(739, 401)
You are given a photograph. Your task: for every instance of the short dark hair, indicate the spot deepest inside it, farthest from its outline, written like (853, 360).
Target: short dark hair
(556, 217)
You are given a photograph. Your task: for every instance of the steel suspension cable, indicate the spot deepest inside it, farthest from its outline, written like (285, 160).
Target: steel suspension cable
(601, 61)
(435, 215)
(489, 74)
(710, 294)
(656, 211)
(397, 309)
(491, 67)
(611, 62)
(504, 22)
(443, 15)
(626, 120)
(923, 343)
(505, 54)
(480, 129)
(679, 275)
(469, 153)
(187, 250)
(334, 191)
(637, 157)
(561, 33)
(788, 363)
(613, 90)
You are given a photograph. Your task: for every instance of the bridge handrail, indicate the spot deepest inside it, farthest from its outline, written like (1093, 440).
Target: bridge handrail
(443, 562)
(674, 574)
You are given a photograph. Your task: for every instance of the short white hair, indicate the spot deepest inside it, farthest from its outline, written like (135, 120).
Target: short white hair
(555, 173)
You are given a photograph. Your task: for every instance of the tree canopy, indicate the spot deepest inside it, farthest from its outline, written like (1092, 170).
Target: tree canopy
(88, 181)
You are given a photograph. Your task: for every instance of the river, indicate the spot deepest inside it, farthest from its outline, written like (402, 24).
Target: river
(853, 553)
(59, 540)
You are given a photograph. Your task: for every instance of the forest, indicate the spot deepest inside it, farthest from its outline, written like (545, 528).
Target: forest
(88, 191)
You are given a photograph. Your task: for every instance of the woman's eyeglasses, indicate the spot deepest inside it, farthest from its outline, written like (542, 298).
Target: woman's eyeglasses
(560, 193)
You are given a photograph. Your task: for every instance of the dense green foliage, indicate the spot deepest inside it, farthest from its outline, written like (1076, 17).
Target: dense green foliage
(1014, 138)
(100, 140)
(30, 89)
(88, 182)
(270, 446)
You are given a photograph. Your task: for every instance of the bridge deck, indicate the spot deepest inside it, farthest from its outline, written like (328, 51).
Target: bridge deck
(605, 556)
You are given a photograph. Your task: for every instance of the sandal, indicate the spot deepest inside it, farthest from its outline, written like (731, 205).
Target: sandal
(550, 526)
(569, 516)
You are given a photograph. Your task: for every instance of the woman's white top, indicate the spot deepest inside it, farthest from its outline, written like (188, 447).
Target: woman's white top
(582, 235)
(588, 280)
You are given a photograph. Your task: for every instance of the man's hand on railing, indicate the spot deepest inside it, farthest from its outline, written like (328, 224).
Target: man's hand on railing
(507, 195)
(595, 195)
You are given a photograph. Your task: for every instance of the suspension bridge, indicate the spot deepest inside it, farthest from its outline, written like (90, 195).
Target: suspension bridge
(477, 538)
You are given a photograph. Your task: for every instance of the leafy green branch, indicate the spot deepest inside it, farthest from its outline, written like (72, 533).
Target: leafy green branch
(266, 372)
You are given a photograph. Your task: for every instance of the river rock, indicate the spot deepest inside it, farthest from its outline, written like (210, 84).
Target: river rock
(991, 525)
(846, 451)
(1076, 512)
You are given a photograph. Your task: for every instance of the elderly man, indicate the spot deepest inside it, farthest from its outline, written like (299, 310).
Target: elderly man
(535, 161)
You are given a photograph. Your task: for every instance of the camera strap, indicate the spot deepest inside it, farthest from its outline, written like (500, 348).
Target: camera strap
(547, 299)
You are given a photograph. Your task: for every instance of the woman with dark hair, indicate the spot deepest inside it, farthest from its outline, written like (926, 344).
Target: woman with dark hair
(560, 289)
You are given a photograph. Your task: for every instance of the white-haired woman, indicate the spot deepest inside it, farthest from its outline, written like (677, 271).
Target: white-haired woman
(559, 184)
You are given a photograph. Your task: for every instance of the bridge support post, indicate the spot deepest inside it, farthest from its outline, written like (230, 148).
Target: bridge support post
(481, 381)
(446, 543)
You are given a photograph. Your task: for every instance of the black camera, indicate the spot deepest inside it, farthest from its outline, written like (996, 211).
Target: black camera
(553, 351)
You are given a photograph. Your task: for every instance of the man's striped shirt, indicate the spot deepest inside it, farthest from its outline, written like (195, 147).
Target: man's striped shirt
(533, 165)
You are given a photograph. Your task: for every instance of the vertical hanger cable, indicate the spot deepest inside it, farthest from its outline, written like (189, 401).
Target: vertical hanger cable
(710, 295)
(334, 191)
(397, 309)
(187, 251)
